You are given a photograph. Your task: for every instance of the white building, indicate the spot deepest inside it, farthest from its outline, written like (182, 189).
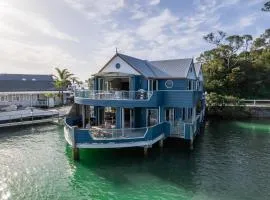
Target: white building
(29, 90)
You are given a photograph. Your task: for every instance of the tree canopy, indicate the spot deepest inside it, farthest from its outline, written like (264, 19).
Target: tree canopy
(237, 65)
(266, 7)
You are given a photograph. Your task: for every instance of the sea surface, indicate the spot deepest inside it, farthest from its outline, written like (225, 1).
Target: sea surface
(231, 161)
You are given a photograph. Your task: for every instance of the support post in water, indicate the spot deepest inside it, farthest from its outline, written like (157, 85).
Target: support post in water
(145, 150)
(76, 153)
(191, 145)
(75, 150)
(161, 143)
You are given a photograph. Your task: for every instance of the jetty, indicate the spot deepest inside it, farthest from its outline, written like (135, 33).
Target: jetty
(32, 116)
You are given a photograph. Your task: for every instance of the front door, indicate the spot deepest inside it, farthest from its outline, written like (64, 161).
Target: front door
(100, 84)
(128, 118)
(170, 115)
(151, 117)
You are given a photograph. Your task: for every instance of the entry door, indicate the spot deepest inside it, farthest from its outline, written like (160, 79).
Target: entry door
(128, 118)
(170, 115)
(100, 84)
(151, 117)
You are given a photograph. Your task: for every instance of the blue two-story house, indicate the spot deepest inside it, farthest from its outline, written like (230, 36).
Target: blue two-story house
(136, 103)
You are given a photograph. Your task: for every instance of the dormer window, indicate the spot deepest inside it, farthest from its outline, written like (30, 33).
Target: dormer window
(23, 79)
(33, 79)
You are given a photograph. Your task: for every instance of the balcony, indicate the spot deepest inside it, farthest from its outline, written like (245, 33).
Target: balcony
(114, 95)
(114, 138)
(138, 98)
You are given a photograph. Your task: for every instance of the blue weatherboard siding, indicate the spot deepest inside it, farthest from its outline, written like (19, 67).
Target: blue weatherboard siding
(180, 84)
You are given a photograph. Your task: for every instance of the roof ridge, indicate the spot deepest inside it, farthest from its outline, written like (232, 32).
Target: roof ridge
(129, 56)
(129, 62)
(150, 66)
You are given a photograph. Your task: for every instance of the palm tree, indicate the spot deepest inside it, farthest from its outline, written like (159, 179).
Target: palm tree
(62, 80)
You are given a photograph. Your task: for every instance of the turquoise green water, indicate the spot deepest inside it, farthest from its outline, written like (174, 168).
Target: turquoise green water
(230, 161)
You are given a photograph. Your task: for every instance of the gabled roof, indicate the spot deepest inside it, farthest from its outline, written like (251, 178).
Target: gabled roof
(177, 68)
(139, 65)
(26, 82)
(198, 67)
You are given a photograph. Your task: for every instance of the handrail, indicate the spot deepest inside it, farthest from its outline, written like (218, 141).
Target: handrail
(254, 102)
(121, 131)
(114, 95)
(91, 132)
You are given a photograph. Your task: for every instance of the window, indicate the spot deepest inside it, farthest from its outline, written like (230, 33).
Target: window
(151, 85)
(189, 84)
(169, 114)
(100, 84)
(151, 117)
(169, 84)
(117, 65)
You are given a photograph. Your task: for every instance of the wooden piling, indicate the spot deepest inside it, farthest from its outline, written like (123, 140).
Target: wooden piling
(145, 151)
(161, 143)
(75, 150)
(76, 153)
(191, 145)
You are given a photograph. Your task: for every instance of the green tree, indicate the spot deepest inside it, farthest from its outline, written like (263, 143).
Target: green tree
(237, 66)
(62, 80)
(266, 7)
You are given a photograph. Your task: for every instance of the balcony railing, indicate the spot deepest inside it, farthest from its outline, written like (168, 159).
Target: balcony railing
(114, 95)
(113, 138)
(98, 133)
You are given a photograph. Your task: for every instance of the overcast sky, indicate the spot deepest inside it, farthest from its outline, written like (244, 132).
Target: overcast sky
(81, 35)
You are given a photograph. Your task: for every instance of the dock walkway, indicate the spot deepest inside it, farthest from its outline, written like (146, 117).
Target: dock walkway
(32, 116)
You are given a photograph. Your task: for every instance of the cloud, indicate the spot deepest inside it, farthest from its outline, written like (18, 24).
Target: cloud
(154, 2)
(154, 27)
(247, 21)
(138, 28)
(17, 56)
(139, 15)
(29, 21)
(93, 9)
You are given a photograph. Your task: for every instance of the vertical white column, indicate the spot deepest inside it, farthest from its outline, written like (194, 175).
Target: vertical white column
(123, 120)
(123, 117)
(83, 116)
(159, 116)
(194, 113)
(187, 114)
